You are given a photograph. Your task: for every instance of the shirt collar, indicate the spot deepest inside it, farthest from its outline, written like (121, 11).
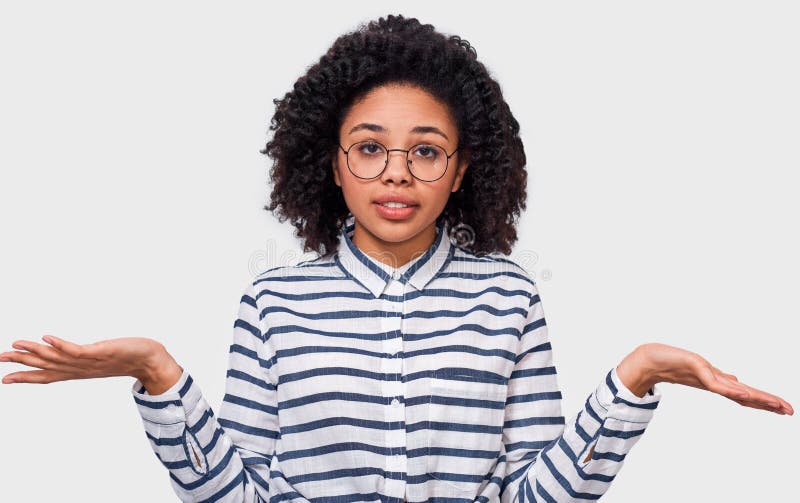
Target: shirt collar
(375, 275)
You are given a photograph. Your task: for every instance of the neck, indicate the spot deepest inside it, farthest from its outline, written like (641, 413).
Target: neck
(390, 253)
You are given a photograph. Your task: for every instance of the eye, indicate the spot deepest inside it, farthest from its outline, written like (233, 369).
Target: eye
(370, 148)
(427, 151)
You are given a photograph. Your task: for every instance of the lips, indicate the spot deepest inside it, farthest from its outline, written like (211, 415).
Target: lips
(396, 198)
(400, 213)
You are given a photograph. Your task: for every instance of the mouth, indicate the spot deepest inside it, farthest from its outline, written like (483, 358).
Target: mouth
(393, 204)
(395, 211)
(395, 200)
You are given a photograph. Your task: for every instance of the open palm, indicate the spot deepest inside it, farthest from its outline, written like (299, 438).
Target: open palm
(61, 360)
(664, 363)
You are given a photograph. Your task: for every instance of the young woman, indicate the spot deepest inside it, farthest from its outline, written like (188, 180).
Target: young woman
(410, 361)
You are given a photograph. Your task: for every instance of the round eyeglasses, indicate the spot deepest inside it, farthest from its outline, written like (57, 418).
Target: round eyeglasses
(426, 162)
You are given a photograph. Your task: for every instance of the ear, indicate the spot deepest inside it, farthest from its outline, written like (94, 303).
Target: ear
(335, 167)
(463, 163)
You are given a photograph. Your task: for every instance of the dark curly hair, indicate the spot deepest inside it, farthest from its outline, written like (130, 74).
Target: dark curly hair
(396, 49)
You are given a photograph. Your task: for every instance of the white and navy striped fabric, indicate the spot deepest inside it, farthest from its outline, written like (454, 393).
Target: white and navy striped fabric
(352, 381)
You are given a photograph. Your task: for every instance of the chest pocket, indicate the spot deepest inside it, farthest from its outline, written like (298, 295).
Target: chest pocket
(465, 414)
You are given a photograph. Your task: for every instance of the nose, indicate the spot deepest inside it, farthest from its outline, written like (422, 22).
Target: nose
(397, 168)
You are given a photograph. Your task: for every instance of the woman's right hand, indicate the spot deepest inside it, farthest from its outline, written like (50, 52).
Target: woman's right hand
(61, 360)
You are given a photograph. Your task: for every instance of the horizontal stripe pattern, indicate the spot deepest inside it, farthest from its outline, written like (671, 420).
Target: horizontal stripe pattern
(355, 381)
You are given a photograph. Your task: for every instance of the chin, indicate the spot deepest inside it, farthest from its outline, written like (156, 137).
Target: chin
(393, 231)
(396, 235)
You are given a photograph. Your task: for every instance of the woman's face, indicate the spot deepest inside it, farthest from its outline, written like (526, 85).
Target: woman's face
(390, 114)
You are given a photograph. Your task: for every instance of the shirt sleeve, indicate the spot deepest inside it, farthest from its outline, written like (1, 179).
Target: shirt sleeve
(225, 458)
(546, 455)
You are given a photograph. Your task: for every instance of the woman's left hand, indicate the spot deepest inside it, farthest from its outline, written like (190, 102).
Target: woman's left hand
(652, 363)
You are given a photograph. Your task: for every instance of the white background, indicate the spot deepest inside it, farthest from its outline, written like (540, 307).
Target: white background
(662, 141)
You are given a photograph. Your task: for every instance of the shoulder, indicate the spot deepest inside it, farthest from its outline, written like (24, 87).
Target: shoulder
(496, 269)
(493, 263)
(285, 277)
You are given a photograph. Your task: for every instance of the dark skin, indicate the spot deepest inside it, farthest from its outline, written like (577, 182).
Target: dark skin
(398, 116)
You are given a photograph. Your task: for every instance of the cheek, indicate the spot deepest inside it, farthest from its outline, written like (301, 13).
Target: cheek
(354, 192)
(437, 193)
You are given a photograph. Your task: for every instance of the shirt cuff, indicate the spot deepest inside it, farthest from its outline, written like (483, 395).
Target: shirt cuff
(171, 406)
(622, 404)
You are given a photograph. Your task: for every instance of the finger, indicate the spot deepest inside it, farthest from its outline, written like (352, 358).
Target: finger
(718, 383)
(46, 352)
(757, 395)
(729, 376)
(733, 387)
(753, 395)
(786, 406)
(33, 360)
(732, 383)
(38, 377)
(760, 405)
(761, 394)
(70, 348)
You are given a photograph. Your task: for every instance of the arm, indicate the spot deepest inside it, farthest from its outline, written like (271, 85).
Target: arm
(225, 458)
(550, 459)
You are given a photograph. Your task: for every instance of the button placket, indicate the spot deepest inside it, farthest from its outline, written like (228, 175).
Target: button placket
(394, 390)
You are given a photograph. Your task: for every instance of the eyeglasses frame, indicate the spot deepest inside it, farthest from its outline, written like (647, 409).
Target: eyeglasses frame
(408, 161)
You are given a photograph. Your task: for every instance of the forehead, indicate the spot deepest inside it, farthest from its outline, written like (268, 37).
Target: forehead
(399, 108)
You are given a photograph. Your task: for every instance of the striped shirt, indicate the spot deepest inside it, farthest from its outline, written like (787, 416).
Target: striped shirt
(350, 380)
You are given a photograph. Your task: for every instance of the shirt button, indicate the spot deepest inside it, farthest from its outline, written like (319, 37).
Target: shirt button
(395, 403)
(395, 274)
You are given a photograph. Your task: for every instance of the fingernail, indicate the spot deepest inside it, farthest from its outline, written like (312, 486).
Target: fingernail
(8, 381)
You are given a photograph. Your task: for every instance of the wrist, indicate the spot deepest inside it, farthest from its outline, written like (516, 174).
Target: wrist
(637, 372)
(160, 372)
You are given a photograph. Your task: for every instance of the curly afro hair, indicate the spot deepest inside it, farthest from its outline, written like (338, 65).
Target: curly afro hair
(396, 49)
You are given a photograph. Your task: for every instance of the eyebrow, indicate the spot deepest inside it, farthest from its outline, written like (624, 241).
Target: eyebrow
(380, 129)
